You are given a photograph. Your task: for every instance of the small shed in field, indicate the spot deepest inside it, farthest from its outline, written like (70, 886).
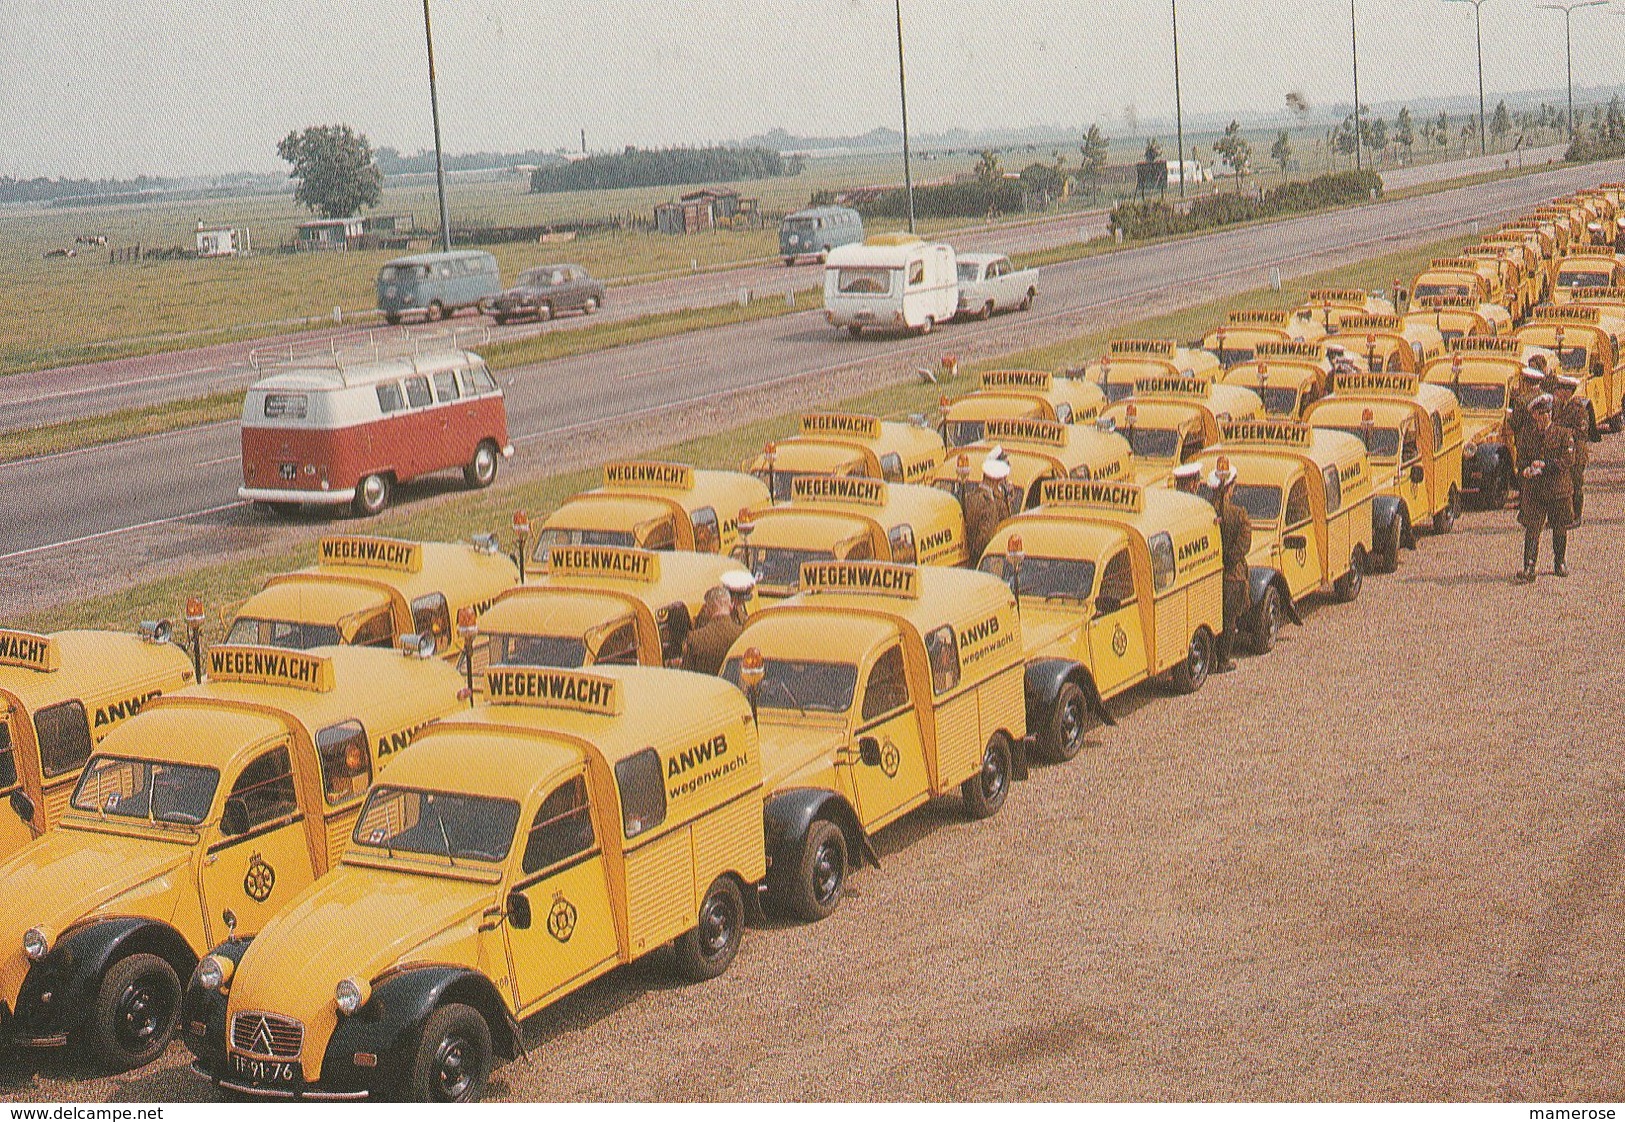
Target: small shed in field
(328, 233)
(217, 241)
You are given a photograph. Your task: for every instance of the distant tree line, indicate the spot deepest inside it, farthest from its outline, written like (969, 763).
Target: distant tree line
(41, 190)
(664, 167)
(1602, 139)
(392, 162)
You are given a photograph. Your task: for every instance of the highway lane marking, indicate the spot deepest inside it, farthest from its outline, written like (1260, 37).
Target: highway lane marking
(148, 439)
(120, 530)
(84, 390)
(218, 460)
(671, 368)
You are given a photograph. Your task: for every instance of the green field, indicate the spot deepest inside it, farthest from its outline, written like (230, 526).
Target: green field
(226, 585)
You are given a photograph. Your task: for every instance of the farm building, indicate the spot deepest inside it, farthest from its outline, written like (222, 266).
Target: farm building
(705, 209)
(370, 232)
(220, 241)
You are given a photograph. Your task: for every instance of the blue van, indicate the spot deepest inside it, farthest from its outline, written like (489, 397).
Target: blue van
(817, 230)
(437, 284)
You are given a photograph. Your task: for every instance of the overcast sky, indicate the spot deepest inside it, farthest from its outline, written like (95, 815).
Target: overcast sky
(171, 87)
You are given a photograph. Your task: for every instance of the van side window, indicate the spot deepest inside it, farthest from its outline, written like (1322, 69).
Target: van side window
(445, 387)
(430, 616)
(707, 534)
(8, 763)
(417, 392)
(901, 539)
(887, 690)
(1162, 560)
(657, 534)
(64, 738)
(942, 652)
(346, 763)
(891, 467)
(675, 623)
(619, 645)
(1297, 503)
(1438, 431)
(916, 273)
(642, 783)
(1334, 490)
(1117, 580)
(477, 380)
(389, 397)
(376, 631)
(562, 827)
(265, 788)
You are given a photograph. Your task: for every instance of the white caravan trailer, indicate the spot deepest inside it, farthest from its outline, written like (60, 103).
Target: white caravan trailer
(892, 282)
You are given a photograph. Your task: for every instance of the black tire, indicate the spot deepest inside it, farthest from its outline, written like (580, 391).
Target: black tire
(481, 471)
(1027, 300)
(984, 793)
(1068, 725)
(705, 952)
(1492, 494)
(1267, 621)
(1445, 520)
(927, 327)
(986, 312)
(136, 1009)
(854, 329)
(1193, 671)
(501, 318)
(436, 310)
(392, 318)
(452, 1059)
(1388, 559)
(811, 889)
(789, 261)
(1347, 587)
(590, 305)
(372, 495)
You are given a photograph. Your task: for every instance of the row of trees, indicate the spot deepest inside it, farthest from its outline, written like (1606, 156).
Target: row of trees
(664, 167)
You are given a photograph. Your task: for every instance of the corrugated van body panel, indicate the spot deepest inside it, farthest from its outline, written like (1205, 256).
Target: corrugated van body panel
(1207, 603)
(959, 740)
(660, 890)
(1173, 619)
(729, 839)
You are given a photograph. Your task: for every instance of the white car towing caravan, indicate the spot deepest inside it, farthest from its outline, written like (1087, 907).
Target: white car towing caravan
(894, 282)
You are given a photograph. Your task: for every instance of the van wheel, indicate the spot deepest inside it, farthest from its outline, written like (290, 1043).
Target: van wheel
(1445, 520)
(590, 306)
(1267, 623)
(436, 310)
(1189, 675)
(371, 495)
(1068, 725)
(984, 793)
(135, 1012)
(789, 261)
(392, 318)
(501, 318)
(482, 469)
(1347, 587)
(453, 1057)
(1027, 300)
(854, 329)
(705, 952)
(811, 889)
(925, 328)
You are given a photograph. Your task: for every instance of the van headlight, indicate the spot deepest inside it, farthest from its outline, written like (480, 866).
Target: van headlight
(351, 994)
(36, 943)
(214, 972)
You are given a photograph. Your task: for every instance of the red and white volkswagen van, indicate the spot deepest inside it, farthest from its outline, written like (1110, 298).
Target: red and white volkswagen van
(332, 430)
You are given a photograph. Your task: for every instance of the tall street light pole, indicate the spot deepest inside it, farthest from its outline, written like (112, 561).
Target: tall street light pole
(1568, 43)
(902, 89)
(439, 159)
(1179, 105)
(1354, 44)
(1478, 31)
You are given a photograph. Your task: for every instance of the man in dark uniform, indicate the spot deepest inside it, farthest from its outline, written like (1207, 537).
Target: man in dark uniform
(1548, 489)
(988, 504)
(1527, 389)
(714, 632)
(1235, 539)
(1569, 411)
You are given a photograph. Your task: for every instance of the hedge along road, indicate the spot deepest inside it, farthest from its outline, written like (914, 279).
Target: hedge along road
(96, 493)
(69, 393)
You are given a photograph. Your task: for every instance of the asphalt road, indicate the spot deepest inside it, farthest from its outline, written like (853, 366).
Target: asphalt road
(1385, 862)
(99, 492)
(67, 393)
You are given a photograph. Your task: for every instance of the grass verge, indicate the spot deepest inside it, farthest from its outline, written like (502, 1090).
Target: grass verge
(124, 424)
(224, 586)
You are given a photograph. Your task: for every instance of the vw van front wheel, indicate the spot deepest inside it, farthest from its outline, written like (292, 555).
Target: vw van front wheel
(135, 1012)
(436, 310)
(984, 793)
(1192, 672)
(481, 471)
(453, 1057)
(371, 495)
(1068, 725)
(705, 952)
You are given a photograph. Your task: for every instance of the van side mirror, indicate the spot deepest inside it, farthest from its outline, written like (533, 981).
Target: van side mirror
(234, 819)
(1294, 542)
(22, 806)
(1418, 476)
(518, 911)
(869, 751)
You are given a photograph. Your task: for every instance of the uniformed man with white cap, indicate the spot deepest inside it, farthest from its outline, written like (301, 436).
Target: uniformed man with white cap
(989, 503)
(1547, 459)
(739, 583)
(1188, 478)
(1569, 410)
(1527, 389)
(1235, 540)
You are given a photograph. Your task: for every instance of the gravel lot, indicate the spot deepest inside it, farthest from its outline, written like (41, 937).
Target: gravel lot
(1395, 874)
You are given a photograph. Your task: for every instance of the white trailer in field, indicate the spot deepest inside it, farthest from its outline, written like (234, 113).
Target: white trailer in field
(891, 282)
